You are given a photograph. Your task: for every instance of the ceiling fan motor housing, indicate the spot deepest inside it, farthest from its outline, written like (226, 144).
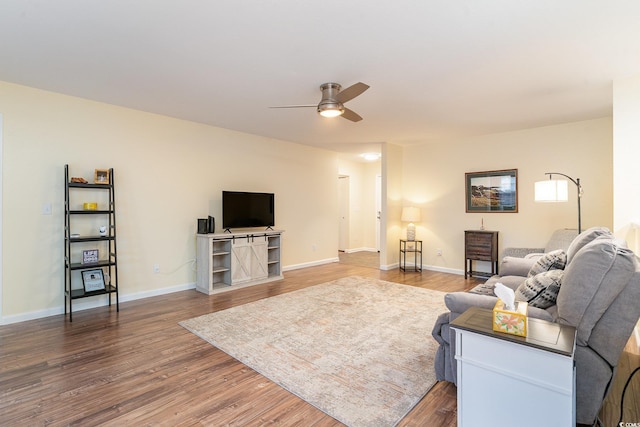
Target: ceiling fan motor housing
(329, 106)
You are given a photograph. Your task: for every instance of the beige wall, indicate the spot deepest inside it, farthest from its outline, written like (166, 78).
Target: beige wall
(626, 148)
(434, 179)
(392, 202)
(168, 172)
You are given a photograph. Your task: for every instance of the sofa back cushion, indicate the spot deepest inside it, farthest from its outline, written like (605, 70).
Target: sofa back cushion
(584, 238)
(598, 272)
(561, 239)
(614, 328)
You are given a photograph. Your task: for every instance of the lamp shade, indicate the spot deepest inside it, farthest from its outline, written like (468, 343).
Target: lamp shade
(552, 190)
(410, 214)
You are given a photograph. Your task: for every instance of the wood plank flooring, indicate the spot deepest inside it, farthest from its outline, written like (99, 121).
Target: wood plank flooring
(629, 362)
(139, 367)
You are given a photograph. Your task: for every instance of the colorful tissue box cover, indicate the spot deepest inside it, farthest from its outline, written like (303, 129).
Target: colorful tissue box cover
(510, 322)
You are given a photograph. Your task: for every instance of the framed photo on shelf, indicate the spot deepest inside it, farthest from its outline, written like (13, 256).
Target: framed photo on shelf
(90, 256)
(492, 191)
(101, 176)
(93, 280)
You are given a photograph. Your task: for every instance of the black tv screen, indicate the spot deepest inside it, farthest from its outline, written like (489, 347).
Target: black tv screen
(242, 209)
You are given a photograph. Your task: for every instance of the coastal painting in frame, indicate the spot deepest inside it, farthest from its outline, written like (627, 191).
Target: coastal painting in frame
(492, 191)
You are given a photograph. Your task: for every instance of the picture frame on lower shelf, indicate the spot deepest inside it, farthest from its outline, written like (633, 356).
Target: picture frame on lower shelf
(93, 280)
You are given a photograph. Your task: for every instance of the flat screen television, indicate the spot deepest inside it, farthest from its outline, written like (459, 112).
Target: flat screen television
(242, 209)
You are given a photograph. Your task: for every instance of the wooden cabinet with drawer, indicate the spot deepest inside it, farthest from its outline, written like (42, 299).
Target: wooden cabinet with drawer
(480, 245)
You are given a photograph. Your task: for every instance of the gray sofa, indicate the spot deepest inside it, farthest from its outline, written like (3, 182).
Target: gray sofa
(591, 282)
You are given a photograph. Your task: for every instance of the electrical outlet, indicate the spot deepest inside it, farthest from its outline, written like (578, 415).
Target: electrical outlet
(439, 252)
(46, 209)
(156, 268)
(314, 247)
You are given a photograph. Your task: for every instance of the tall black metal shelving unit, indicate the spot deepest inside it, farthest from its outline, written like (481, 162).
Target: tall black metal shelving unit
(108, 263)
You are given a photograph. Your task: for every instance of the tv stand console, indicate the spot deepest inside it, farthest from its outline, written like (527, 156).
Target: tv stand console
(237, 259)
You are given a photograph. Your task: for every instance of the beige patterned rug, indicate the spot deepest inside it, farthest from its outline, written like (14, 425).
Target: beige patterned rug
(358, 349)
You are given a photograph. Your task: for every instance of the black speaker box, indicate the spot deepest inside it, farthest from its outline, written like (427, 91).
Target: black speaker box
(203, 226)
(211, 224)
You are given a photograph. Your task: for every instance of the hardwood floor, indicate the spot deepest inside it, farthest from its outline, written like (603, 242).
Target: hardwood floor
(139, 367)
(629, 362)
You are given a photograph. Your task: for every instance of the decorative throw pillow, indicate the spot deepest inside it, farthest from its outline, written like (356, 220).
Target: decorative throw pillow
(554, 260)
(540, 290)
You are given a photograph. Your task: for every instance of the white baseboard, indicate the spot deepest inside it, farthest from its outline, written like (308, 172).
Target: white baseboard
(92, 302)
(310, 264)
(425, 267)
(389, 266)
(350, 251)
(443, 269)
(102, 300)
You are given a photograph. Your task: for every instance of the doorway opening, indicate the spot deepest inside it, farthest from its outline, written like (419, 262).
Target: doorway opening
(359, 220)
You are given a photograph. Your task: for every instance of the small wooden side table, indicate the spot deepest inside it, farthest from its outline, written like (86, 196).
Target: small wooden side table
(480, 245)
(411, 246)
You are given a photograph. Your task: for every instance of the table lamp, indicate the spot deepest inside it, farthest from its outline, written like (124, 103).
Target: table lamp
(411, 215)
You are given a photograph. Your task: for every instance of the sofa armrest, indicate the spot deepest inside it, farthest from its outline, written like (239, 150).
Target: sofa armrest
(515, 266)
(520, 252)
(459, 302)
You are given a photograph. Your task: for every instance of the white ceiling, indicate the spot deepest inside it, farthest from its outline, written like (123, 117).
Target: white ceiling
(437, 68)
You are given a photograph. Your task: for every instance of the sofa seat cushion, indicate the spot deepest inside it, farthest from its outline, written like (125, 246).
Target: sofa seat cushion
(595, 276)
(554, 260)
(540, 290)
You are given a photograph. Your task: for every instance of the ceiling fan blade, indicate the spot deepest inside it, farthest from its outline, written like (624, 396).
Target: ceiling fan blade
(351, 92)
(351, 115)
(296, 106)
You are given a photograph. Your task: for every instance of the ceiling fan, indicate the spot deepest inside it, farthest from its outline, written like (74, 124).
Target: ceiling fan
(333, 100)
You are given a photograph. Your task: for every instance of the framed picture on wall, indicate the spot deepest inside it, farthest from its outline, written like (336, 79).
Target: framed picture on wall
(492, 191)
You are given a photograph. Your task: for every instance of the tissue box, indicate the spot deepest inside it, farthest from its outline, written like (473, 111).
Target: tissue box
(510, 322)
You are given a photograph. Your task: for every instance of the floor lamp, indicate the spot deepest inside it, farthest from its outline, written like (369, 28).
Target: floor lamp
(555, 190)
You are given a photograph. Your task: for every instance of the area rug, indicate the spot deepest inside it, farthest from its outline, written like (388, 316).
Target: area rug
(358, 349)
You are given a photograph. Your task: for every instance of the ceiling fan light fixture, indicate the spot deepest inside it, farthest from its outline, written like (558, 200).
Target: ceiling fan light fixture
(333, 100)
(330, 109)
(370, 157)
